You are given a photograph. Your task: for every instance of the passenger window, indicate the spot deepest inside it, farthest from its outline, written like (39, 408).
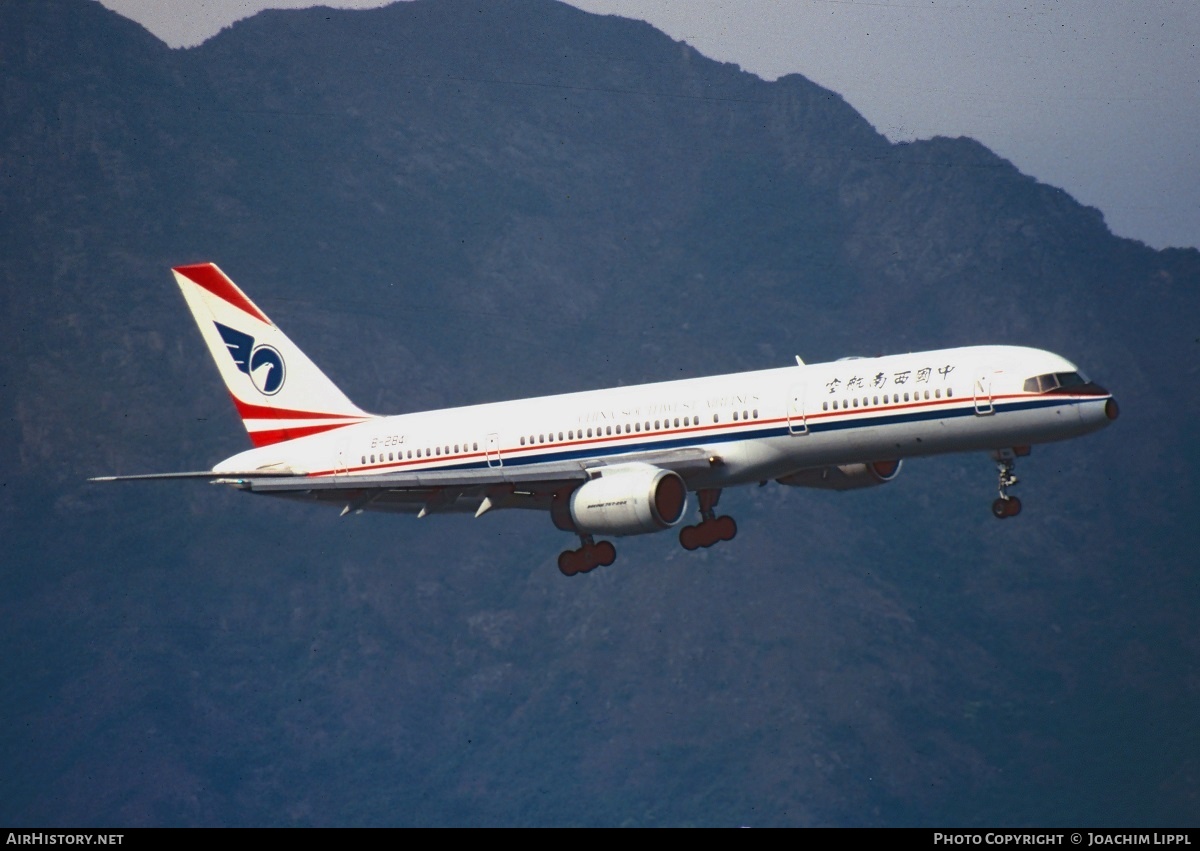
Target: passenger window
(949, 392)
(824, 406)
(905, 397)
(364, 460)
(755, 412)
(716, 418)
(609, 430)
(735, 416)
(938, 393)
(560, 435)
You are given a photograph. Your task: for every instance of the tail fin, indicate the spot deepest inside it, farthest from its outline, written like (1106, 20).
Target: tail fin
(279, 393)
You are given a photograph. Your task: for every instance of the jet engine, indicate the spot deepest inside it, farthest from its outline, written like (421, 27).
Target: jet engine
(626, 499)
(845, 477)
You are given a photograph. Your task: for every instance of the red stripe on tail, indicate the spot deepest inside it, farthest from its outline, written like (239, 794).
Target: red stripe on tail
(279, 435)
(212, 279)
(264, 412)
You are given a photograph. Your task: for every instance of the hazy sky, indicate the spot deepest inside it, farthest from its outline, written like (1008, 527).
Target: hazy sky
(1100, 97)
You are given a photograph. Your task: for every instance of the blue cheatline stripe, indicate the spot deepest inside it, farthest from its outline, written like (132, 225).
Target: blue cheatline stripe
(815, 426)
(732, 436)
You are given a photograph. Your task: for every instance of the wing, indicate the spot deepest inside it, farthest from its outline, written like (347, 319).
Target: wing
(422, 492)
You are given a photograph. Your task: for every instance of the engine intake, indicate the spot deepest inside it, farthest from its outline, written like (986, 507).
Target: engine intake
(626, 499)
(845, 477)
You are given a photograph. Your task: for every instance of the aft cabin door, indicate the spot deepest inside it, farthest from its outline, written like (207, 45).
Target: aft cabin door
(493, 451)
(796, 415)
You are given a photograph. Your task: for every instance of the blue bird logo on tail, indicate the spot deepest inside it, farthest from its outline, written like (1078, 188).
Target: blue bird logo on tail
(262, 363)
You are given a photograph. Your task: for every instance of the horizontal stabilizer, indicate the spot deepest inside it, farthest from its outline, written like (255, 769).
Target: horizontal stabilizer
(199, 474)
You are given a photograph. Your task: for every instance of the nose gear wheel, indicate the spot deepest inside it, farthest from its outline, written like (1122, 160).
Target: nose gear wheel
(1006, 506)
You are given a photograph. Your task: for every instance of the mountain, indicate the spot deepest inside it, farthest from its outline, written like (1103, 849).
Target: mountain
(446, 203)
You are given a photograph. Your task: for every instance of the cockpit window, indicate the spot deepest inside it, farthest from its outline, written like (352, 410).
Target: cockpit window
(1053, 381)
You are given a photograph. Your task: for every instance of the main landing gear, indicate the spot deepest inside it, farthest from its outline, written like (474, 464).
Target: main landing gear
(589, 556)
(1005, 505)
(711, 528)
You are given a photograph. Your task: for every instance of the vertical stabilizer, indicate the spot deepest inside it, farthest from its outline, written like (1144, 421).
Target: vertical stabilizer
(279, 393)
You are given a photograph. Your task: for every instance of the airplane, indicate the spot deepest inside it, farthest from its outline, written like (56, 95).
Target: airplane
(623, 461)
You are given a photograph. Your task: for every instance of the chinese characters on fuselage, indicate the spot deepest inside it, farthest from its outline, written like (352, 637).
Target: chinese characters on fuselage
(880, 380)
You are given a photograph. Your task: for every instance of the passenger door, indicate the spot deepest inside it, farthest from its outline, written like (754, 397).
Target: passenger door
(492, 450)
(983, 396)
(797, 416)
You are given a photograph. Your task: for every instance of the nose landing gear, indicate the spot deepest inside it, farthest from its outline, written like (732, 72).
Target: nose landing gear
(711, 528)
(1006, 505)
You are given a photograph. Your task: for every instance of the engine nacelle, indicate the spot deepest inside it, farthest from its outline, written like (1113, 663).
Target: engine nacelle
(626, 499)
(845, 477)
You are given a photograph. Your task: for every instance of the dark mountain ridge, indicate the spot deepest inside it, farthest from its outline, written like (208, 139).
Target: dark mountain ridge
(446, 202)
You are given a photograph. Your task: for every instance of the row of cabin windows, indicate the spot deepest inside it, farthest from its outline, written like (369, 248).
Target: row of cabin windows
(571, 434)
(602, 431)
(427, 453)
(895, 399)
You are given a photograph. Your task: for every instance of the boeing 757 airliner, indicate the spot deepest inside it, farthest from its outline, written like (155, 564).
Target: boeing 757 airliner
(622, 461)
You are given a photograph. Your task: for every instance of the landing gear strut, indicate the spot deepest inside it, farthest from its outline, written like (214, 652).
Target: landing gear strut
(589, 556)
(1006, 506)
(711, 528)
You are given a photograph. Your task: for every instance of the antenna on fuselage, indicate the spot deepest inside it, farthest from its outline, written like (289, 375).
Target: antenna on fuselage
(798, 361)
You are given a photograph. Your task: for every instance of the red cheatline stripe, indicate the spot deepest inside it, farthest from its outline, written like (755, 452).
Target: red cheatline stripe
(207, 275)
(265, 412)
(267, 438)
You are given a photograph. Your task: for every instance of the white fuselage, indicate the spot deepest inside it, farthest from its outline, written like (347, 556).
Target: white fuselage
(762, 425)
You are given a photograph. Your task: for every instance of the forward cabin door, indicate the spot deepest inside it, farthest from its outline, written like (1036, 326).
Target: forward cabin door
(983, 396)
(797, 416)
